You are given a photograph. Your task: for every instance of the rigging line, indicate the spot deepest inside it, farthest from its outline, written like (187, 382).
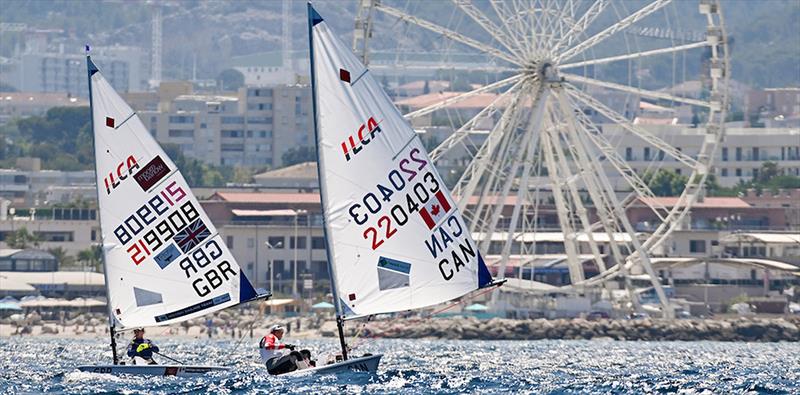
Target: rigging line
(241, 338)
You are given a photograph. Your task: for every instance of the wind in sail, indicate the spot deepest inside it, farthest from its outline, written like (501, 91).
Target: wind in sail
(165, 262)
(396, 240)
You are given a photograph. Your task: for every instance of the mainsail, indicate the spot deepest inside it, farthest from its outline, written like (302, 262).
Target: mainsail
(164, 260)
(395, 237)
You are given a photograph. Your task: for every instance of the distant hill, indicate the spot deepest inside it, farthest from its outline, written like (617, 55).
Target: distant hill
(766, 34)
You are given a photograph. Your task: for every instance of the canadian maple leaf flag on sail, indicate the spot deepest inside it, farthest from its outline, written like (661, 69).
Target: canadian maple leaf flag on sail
(435, 210)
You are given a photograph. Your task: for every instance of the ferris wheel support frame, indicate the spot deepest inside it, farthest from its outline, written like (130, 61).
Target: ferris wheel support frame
(539, 32)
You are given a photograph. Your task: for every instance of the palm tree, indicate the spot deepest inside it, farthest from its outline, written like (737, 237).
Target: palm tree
(92, 256)
(61, 256)
(22, 239)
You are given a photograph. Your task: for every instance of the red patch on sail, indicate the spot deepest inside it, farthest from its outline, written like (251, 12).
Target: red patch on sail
(344, 75)
(110, 122)
(352, 297)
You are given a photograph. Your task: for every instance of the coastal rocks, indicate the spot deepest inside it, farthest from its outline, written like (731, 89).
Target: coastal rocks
(731, 329)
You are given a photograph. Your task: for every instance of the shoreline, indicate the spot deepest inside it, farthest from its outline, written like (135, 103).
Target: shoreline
(737, 329)
(742, 329)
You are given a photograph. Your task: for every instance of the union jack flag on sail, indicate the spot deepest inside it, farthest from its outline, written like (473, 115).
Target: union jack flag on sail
(191, 236)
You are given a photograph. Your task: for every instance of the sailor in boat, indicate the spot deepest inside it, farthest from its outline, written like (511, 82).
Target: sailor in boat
(274, 356)
(140, 349)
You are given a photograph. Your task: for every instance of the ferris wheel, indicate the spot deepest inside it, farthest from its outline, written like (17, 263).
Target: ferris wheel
(558, 65)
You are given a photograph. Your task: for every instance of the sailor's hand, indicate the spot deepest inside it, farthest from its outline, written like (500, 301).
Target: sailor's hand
(142, 347)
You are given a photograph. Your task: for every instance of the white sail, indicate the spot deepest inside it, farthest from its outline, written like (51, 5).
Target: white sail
(396, 239)
(164, 260)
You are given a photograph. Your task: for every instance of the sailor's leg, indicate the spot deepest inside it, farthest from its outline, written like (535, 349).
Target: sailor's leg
(281, 365)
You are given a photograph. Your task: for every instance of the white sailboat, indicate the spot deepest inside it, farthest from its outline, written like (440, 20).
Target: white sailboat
(164, 260)
(395, 239)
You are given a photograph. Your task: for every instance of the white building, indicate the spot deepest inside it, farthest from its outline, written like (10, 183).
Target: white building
(255, 127)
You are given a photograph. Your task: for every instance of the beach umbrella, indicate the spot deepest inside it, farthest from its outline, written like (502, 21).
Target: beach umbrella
(322, 306)
(476, 307)
(10, 306)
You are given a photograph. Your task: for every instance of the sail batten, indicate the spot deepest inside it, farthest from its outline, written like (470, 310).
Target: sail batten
(164, 260)
(396, 239)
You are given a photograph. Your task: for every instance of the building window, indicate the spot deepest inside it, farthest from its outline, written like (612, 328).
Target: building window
(318, 243)
(277, 266)
(755, 154)
(94, 235)
(300, 242)
(181, 119)
(724, 154)
(230, 120)
(629, 153)
(738, 153)
(276, 242)
(229, 241)
(232, 133)
(724, 172)
(181, 133)
(738, 172)
(697, 246)
(646, 153)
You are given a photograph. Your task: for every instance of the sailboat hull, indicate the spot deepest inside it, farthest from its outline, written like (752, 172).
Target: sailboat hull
(152, 370)
(366, 364)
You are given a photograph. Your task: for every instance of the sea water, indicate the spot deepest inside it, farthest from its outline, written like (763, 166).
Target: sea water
(41, 365)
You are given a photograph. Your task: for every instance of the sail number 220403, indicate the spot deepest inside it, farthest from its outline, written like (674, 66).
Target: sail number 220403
(414, 187)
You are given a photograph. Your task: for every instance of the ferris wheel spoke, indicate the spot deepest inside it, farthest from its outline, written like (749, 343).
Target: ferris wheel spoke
(490, 27)
(637, 91)
(450, 34)
(619, 26)
(638, 131)
(503, 14)
(636, 55)
(581, 24)
(639, 187)
(555, 25)
(463, 132)
(476, 168)
(464, 96)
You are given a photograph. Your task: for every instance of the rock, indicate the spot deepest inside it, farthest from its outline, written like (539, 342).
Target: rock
(49, 329)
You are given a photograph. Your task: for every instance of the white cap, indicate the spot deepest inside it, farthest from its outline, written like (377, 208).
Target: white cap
(275, 328)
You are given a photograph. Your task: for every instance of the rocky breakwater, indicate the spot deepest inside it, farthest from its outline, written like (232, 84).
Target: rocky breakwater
(733, 329)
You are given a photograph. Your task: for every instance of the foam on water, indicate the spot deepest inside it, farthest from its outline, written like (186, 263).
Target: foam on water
(37, 365)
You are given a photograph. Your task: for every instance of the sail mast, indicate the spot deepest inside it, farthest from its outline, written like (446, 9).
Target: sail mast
(91, 69)
(313, 19)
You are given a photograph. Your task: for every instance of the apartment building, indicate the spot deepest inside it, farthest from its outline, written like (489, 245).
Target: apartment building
(253, 127)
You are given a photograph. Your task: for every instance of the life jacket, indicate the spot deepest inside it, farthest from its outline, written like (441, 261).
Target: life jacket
(270, 347)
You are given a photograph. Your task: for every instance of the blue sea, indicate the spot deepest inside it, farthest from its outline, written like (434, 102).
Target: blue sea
(36, 365)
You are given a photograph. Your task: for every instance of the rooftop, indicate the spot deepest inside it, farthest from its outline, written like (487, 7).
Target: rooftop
(300, 170)
(708, 202)
(478, 101)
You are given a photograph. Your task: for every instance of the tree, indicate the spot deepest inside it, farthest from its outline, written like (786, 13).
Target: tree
(61, 255)
(22, 239)
(230, 79)
(300, 154)
(666, 182)
(768, 171)
(92, 256)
